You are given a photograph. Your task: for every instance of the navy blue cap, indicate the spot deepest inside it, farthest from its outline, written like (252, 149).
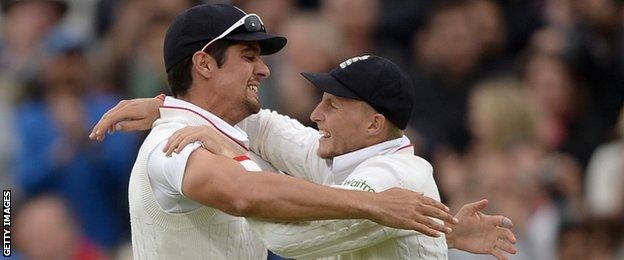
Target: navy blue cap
(195, 27)
(374, 80)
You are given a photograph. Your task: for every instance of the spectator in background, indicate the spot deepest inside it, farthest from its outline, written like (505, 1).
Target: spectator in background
(506, 162)
(55, 156)
(356, 22)
(596, 51)
(26, 25)
(487, 19)
(446, 57)
(145, 76)
(569, 124)
(45, 229)
(594, 238)
(319, 42)
(605, 178)
(134, 25)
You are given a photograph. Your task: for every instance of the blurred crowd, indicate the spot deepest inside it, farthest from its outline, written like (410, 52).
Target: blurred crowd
(517, 101)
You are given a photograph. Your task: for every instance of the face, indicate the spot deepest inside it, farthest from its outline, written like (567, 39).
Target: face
(238, 80)
(342, 123)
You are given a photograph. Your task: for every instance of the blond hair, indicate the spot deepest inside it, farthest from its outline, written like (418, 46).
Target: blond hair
(510, 113)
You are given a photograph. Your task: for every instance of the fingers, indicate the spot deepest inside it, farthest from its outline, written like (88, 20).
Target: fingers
(425, 230)
(499, 221)
(432, 224)
(500, 255)
(185, 141)
(506, 223)
(433, 211)
(507, 235)
(180, 139)
(505, 246)
(434, 203)
(473, 208)
(173, 142)
(131, 125)
(105, 124)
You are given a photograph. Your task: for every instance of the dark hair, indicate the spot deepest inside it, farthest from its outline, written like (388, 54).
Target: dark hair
(179, 77)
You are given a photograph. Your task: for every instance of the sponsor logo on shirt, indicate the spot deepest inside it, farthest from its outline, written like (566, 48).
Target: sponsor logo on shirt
(358, 183)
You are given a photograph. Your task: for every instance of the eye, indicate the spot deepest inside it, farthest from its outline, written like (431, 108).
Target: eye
(249, 58)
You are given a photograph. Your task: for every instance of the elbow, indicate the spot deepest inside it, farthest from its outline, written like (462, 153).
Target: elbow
(239, 205)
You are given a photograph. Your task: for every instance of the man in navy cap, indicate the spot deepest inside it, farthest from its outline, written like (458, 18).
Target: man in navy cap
(359, 146)
(189, 205)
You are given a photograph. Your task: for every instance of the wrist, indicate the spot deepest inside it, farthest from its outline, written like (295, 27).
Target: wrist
(366, 207)
(450, 238)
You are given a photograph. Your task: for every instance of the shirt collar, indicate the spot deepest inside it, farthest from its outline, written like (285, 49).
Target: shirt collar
(173, 107)
(344, 163)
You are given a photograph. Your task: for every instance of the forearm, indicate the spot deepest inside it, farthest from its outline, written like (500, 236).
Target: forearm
(283, 198)
(314, 239)
(286, 143)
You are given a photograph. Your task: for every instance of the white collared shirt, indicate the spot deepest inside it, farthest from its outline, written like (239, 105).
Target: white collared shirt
(166, 173)
(291, 148)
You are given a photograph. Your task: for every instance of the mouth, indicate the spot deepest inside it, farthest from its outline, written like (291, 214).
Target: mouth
(324, 134)
(253, 87)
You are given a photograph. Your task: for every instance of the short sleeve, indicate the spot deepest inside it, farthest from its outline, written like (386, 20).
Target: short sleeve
(166, 175)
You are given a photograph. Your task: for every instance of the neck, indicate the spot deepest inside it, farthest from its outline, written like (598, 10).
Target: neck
(374, 140)
(217, 107)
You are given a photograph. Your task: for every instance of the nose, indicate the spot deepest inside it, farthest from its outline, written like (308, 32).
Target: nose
(262, 70)
(316, 115)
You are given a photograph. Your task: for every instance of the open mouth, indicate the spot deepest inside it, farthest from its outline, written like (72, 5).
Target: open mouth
(254, 88)
(324, 134)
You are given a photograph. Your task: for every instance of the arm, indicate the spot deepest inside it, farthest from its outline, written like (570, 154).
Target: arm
(332, 237)
(139, 114)
(217, 181)
(128, 115)
(287, 144)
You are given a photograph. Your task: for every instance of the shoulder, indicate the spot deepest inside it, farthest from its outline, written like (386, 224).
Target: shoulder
(404, 170)
(399, 163)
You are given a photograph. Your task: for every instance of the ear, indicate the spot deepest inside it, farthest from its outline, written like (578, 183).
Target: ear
(204, 64)
(376, 124)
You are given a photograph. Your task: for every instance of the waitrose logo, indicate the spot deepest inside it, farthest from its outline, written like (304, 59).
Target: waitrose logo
(358, 183)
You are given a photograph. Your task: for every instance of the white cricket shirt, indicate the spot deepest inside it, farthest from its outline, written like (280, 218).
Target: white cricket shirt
(291, 147)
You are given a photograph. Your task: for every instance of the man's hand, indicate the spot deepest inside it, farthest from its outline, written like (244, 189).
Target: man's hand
(480, 233)
(128, 115)
(211, 140)
(406, 209)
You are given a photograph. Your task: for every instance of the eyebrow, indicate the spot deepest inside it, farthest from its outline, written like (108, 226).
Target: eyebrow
(251, 48)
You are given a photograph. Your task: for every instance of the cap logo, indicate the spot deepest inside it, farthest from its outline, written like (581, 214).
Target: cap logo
(352, 60)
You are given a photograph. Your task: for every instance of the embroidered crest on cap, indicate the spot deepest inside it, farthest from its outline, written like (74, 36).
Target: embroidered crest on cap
(352, 60)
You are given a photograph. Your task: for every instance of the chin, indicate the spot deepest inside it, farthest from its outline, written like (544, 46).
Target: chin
(325, 154)
(252, 107)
